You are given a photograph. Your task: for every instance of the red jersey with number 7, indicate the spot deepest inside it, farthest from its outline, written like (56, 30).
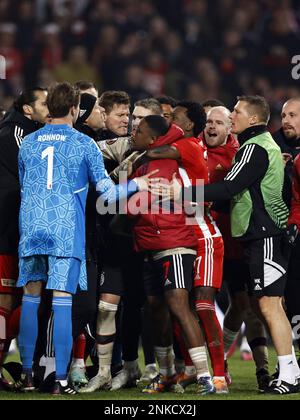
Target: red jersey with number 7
(193, 167)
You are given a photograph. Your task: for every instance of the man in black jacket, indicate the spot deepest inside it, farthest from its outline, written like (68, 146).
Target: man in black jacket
(122, 266)
(258, 168)
(26, 116)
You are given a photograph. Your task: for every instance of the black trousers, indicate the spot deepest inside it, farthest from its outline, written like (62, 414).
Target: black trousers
(84, 312)
(135, 320)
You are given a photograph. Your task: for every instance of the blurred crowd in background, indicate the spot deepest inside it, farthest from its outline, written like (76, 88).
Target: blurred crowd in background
(193, 49)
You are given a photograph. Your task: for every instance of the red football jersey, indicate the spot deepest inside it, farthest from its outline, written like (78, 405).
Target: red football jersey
(193, 168)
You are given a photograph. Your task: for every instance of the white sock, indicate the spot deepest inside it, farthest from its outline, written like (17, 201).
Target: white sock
(49, 364)
(287, 369)
(106, 327)
(296, 366)
(165, 358)
(78, 363)
(105, 352)
(229, 339)
(199, 358)
(63, 383)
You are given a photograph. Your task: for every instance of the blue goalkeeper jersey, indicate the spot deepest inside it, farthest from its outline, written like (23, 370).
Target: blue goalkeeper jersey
(56, 165)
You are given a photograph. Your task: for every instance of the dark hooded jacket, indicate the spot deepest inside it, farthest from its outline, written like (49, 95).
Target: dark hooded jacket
(13, 128)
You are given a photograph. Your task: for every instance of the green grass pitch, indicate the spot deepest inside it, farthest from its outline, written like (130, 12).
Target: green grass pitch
(243, 388)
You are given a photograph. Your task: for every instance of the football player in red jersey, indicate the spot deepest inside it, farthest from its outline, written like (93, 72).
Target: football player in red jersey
(191, 118)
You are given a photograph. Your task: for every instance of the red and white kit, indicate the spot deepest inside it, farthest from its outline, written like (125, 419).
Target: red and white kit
(210, 250)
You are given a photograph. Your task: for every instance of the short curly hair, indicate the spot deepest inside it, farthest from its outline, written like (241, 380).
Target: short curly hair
(196, 114)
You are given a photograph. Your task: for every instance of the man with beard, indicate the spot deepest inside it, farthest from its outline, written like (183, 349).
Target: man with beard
(122, 266)
(259, 220)
(288, 139)
(26, 116)
(44, 255)
(91, 119)
(222, 147)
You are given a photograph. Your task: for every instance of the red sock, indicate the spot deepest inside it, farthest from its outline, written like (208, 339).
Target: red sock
(185, 354)
(4, 320)
(14, 323)
(79, 347)
(214, 335)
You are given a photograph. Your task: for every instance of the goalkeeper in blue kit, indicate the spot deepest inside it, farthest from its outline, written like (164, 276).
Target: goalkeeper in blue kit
(56, 165)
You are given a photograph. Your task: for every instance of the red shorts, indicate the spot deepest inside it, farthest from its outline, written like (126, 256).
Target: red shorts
(9, 272)
(209, 263)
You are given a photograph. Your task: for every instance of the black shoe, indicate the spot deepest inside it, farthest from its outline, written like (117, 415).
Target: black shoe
(283, 388)
(263, 380)
(26, 383)
(47, 385)
(275, 375)
(14, 369)
(63, 390)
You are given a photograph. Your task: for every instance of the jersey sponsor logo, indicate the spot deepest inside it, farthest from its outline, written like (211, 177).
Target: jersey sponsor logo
(8, 283)
(82, 112)
(257, 288)
(52, 137)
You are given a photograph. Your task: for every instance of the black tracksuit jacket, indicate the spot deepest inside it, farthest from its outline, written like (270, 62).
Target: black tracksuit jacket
(13, 128)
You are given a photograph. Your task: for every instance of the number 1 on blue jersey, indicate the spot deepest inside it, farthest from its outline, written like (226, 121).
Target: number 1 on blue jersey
(50, 153)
